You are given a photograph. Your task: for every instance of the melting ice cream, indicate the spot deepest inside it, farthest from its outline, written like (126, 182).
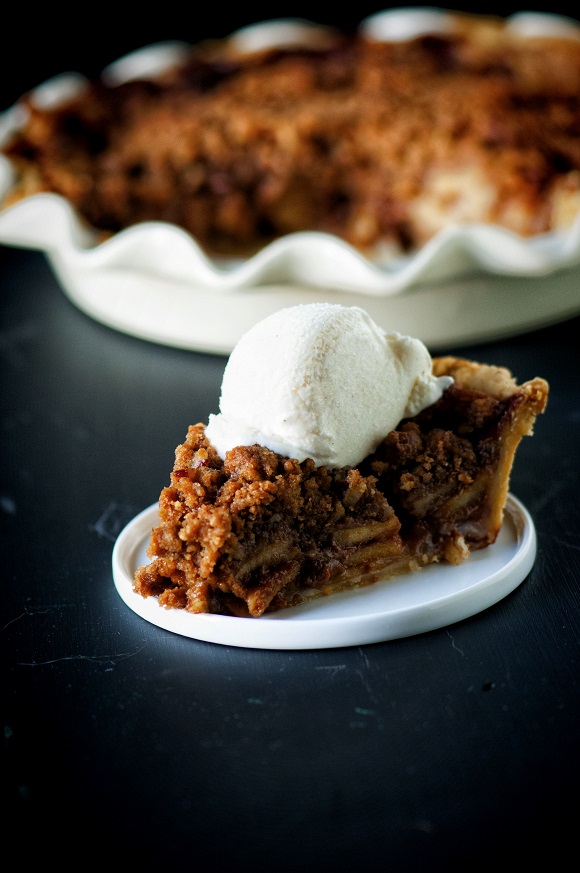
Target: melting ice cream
(321, 381)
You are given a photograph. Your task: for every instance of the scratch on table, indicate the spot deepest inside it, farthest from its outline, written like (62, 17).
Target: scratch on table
(333, 669)
(97, 659)
(27, 612)
(562, 541)
(548, 496)
(363, 654)
(360, 711)
(16, 618)
(112, 520)
(361, 722)
(366, 684)
(453, 646)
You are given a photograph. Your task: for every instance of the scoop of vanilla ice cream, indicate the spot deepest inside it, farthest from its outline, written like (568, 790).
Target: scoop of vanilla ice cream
(321, 381)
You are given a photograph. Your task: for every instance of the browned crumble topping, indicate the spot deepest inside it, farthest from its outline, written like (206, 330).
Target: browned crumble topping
(225, 524)
(375, 142)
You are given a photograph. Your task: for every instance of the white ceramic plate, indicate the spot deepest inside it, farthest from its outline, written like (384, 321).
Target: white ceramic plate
(434, 597)
(470, 283)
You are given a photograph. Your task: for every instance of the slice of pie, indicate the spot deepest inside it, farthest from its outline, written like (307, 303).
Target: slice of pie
(258, 531)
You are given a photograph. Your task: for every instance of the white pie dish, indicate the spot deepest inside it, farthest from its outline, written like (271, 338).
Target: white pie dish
(126, 280)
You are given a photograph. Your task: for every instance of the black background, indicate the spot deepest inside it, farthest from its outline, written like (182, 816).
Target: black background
(86, 37)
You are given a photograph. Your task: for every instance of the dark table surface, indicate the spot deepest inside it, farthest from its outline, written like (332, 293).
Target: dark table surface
(125, 742)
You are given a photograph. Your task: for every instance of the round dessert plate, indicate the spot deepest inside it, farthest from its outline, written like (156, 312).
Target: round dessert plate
(411, 604)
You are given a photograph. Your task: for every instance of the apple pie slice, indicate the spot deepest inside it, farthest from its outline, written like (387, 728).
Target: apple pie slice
(258, 531)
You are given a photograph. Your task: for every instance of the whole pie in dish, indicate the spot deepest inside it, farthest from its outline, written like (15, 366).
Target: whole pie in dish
(418, 121)
(256, 531)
